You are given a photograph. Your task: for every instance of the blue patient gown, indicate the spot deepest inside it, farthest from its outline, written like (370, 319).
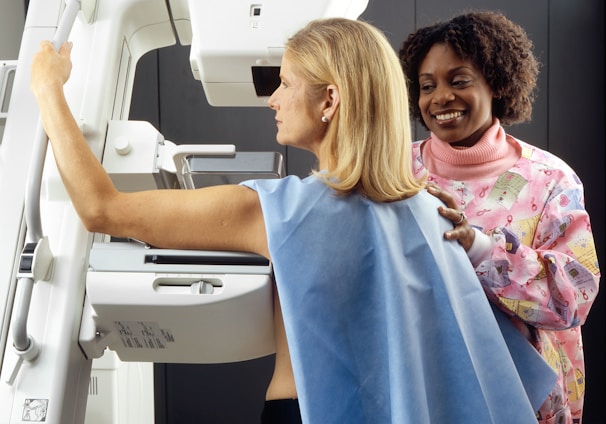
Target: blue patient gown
(386, 321)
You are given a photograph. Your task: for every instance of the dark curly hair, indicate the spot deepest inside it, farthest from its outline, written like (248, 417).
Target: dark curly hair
(499, 48)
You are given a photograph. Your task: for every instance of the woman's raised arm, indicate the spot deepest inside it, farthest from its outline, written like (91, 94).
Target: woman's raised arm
(218, 218)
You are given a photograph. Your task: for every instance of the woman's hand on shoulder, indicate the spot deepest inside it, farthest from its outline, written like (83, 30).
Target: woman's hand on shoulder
(462, 231)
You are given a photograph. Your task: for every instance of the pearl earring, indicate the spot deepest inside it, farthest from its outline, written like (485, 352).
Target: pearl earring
(324, 119)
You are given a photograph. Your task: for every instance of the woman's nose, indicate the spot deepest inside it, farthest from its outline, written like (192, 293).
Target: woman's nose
(443, 94)
(272, 101)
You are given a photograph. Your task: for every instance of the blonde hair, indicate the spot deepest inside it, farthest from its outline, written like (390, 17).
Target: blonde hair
(369, 137)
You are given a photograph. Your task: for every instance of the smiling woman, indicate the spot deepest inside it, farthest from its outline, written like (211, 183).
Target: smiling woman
(525, 227)
(455, 99)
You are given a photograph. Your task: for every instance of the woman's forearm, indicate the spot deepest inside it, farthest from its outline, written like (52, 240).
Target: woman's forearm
(85, 180)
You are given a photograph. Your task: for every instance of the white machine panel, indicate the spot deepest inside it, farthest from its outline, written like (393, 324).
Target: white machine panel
(236, 41)
(178, 306)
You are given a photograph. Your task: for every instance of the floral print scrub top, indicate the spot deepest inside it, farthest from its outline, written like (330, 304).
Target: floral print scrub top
(543, 269)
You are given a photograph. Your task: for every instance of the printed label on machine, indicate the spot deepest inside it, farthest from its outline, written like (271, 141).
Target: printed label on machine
(34, 410)
(143, 335)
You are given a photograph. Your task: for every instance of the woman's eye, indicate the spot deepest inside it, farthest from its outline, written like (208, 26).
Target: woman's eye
(425, 88)
(460, 83)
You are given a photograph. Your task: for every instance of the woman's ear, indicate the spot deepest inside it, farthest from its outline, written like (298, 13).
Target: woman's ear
(331, 102)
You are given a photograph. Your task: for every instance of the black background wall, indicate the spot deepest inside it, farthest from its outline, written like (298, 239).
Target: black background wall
(568, 120)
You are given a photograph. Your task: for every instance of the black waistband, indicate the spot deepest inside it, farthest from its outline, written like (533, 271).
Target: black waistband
(282, 411)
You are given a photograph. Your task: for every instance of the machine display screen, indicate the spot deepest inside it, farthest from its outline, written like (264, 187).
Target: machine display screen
(265, 79)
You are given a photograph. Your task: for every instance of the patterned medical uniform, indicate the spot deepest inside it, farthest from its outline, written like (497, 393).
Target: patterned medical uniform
(543, 269)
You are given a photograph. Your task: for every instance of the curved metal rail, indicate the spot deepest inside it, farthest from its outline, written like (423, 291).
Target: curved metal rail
(24, 344)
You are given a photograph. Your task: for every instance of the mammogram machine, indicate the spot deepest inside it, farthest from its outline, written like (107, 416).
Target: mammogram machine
(75, 304)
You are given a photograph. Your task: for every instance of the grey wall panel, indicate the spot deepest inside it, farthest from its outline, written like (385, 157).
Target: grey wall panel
(396, 18)
(145, 100)
(12, 19)
(577, 133)
(211, 394)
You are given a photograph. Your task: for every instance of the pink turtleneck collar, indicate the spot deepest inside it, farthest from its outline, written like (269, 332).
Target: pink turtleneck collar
(493, 154)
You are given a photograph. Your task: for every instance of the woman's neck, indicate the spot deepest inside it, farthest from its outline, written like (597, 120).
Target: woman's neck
(492, 155)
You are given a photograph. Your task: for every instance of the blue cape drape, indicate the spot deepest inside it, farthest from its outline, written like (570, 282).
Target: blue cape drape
(386, 321)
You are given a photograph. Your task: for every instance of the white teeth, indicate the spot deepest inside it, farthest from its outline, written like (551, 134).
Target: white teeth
(451, 115)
